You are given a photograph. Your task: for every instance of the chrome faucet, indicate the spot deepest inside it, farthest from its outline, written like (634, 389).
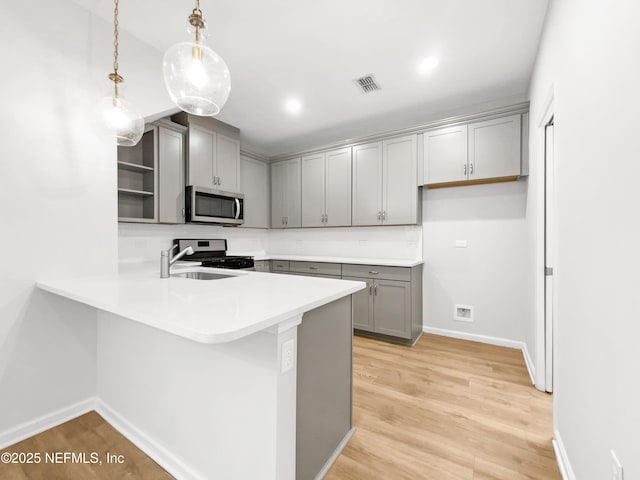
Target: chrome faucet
(166, 260)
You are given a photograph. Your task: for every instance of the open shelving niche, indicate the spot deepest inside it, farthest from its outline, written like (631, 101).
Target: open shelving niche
(137, 179)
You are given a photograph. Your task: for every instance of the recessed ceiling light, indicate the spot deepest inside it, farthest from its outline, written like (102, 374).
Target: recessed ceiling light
(427, 64)
(293, 105)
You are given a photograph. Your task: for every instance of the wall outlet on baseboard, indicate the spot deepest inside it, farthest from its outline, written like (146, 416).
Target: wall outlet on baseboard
(463, 313)
(616, 467)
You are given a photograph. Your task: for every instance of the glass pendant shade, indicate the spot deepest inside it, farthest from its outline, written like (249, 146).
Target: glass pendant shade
(120, 120)
(197, 78)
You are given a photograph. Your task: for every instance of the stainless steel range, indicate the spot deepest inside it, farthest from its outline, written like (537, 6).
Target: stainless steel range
(213, 253)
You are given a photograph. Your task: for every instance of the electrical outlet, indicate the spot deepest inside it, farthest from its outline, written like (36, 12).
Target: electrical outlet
(463, 313)
(616, 467)
(288, 356)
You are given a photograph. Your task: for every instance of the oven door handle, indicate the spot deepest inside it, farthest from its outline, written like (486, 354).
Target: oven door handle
(237, 208)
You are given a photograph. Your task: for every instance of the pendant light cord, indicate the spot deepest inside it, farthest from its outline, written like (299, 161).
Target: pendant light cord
(116, 24)
(115, 77)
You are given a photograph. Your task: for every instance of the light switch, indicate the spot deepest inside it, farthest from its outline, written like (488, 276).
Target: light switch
(461, 244)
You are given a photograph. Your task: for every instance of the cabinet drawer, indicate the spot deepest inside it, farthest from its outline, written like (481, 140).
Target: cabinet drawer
(377, 271)
(261, 265)
(316, 268)
(317, 275)
(279, 265)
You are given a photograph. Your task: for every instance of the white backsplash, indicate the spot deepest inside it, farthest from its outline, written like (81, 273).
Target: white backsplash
(141, 242)
(403, 242)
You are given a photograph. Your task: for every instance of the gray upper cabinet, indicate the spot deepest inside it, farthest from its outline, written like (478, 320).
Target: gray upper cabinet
(313, 190)
(285, 194)
(227, 163)
(399, 171)
(254, 180)
(326, 189)
(213, 152)
(171, 169)
(474, 153)
(202, 147)
(384, 182)
(494, 148)
(367, 184)
(445, 155)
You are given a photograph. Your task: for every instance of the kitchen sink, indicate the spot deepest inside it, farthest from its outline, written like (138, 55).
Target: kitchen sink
(201, 275)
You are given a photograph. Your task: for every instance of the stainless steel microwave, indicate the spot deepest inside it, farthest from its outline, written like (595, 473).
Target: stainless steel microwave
(207, 205)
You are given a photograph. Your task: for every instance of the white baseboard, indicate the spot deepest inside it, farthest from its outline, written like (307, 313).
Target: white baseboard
(45, 422)
(562, 458)
(500, 342)
(157, 452)
(336, 453)
(529, 363)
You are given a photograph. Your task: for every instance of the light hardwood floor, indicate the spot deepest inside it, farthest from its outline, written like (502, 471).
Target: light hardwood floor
(88, 433)
(444, 409)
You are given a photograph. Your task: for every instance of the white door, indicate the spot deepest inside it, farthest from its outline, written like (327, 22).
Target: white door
(338, 188)
(313, 185)
(399, 172)
(549, 206)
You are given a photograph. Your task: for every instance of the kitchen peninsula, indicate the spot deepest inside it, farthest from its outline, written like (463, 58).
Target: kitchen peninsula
(241, 377)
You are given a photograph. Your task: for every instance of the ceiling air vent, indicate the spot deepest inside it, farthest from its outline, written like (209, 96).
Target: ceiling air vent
(367, 83)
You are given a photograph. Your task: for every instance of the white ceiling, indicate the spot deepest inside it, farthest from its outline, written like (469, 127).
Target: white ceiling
(276, 49)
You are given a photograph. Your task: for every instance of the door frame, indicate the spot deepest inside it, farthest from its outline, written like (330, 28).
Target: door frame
(549, 113)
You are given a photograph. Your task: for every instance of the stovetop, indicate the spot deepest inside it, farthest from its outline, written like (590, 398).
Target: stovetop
(213, 253)
(235, 262)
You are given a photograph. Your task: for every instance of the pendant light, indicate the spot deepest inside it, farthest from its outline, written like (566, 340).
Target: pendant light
(196, 77)
(116, 114)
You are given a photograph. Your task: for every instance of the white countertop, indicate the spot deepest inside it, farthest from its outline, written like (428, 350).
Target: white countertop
(206, 311)
(389, 262)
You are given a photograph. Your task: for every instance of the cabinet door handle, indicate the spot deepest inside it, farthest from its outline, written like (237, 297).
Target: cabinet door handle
(471, 169)
(464, 169)
(219, 181)
(370, 288)
(375, 290)
(183, 213)
(384, 215)
(379, 215)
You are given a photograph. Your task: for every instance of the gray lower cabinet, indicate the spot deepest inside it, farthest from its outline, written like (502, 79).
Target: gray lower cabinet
(323, 404)
(262, 265)
(391, 305)
(362, 304)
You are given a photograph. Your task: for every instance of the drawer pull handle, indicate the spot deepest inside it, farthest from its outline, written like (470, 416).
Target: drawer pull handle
(373, 272)
(313, 268)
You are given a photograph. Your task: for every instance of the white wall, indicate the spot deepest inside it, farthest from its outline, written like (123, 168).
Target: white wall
(589, 54)
(140, 242)
(402, 242)
(57, 198)
(491, 273)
